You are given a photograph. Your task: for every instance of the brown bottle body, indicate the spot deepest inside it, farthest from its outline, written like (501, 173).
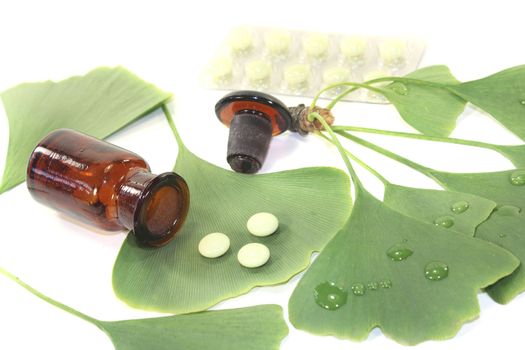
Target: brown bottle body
(106, 186)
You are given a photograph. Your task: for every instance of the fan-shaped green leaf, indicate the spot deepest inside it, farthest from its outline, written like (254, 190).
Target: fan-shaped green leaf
(255, 328)
(501, 94)
(462, 211)
(514, 153)
(432, 110)
(396, 296)
(98, 103)
(259, 327)
(311, 204)
(505, 227)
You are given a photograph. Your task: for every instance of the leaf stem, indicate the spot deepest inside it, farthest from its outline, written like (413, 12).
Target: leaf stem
(408, 81)
(171, 123)
(367, 83)
(339, 97)
(358, 185)
(418, 167)
(49, 300)
(360, 162)
(419, 137)
(354, 85)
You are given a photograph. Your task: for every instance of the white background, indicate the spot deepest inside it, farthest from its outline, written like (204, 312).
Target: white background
(168, 43)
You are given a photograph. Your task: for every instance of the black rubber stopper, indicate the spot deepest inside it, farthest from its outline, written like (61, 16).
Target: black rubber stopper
(249, 141)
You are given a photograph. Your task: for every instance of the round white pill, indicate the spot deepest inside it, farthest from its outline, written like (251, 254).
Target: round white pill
(278, 42)
(214, 245)
(297, 76)
(222, 70)
(393, 51)
(336, 74)
(241, 40)
(353, 47)
(316, 45)
(253, 255)
(258, 71)
(262, 224)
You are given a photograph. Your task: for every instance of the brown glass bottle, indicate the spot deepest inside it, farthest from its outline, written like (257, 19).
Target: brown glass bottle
(107, 186)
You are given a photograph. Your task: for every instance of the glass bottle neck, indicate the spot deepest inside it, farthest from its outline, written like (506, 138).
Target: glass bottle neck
(129, 196)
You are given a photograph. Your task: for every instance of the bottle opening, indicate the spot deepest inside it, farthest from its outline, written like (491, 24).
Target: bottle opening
(162, 210)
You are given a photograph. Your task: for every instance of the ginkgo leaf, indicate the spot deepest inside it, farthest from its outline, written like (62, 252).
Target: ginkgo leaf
(411, 279)
(98, 103)
(514, 153)
(501, 94)
(310, 203)
(506, 226)
(259, 327)
(457, 211)
(430, 109)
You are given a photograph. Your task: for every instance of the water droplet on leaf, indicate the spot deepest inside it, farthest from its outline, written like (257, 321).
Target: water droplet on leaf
(444, 221)
(358, 289)
(502, 235)
(508, 210)
(460, 207)
(400, 89)
(436, 271)
(522, 102)
(329, 296)
(372, 285)
(385, 284)
(517, 178)
(399, 252)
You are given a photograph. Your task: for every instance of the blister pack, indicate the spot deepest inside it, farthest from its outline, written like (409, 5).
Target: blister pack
(301, 63)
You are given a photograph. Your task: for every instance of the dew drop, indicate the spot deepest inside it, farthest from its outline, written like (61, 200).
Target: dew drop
(329, 296)
(436, 271)
(400, 89)
(385, 284)
(522, 102)
(372, 285)
(502, 235)
(517, 178)
(444, 221)
(399, 252)
(358, 289)
(508, 210)
(460, 207)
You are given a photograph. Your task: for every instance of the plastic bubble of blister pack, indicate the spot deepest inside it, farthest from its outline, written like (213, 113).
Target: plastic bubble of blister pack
(300, 63)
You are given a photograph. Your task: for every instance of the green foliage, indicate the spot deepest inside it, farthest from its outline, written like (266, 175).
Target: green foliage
(431, 99)
(397, 296)
(98, 103)
(431, 205)
(311, 204)
(253, 328)
(430, 109)
(402, 265)
(514, 153)
(505, 227)
(501, 94)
